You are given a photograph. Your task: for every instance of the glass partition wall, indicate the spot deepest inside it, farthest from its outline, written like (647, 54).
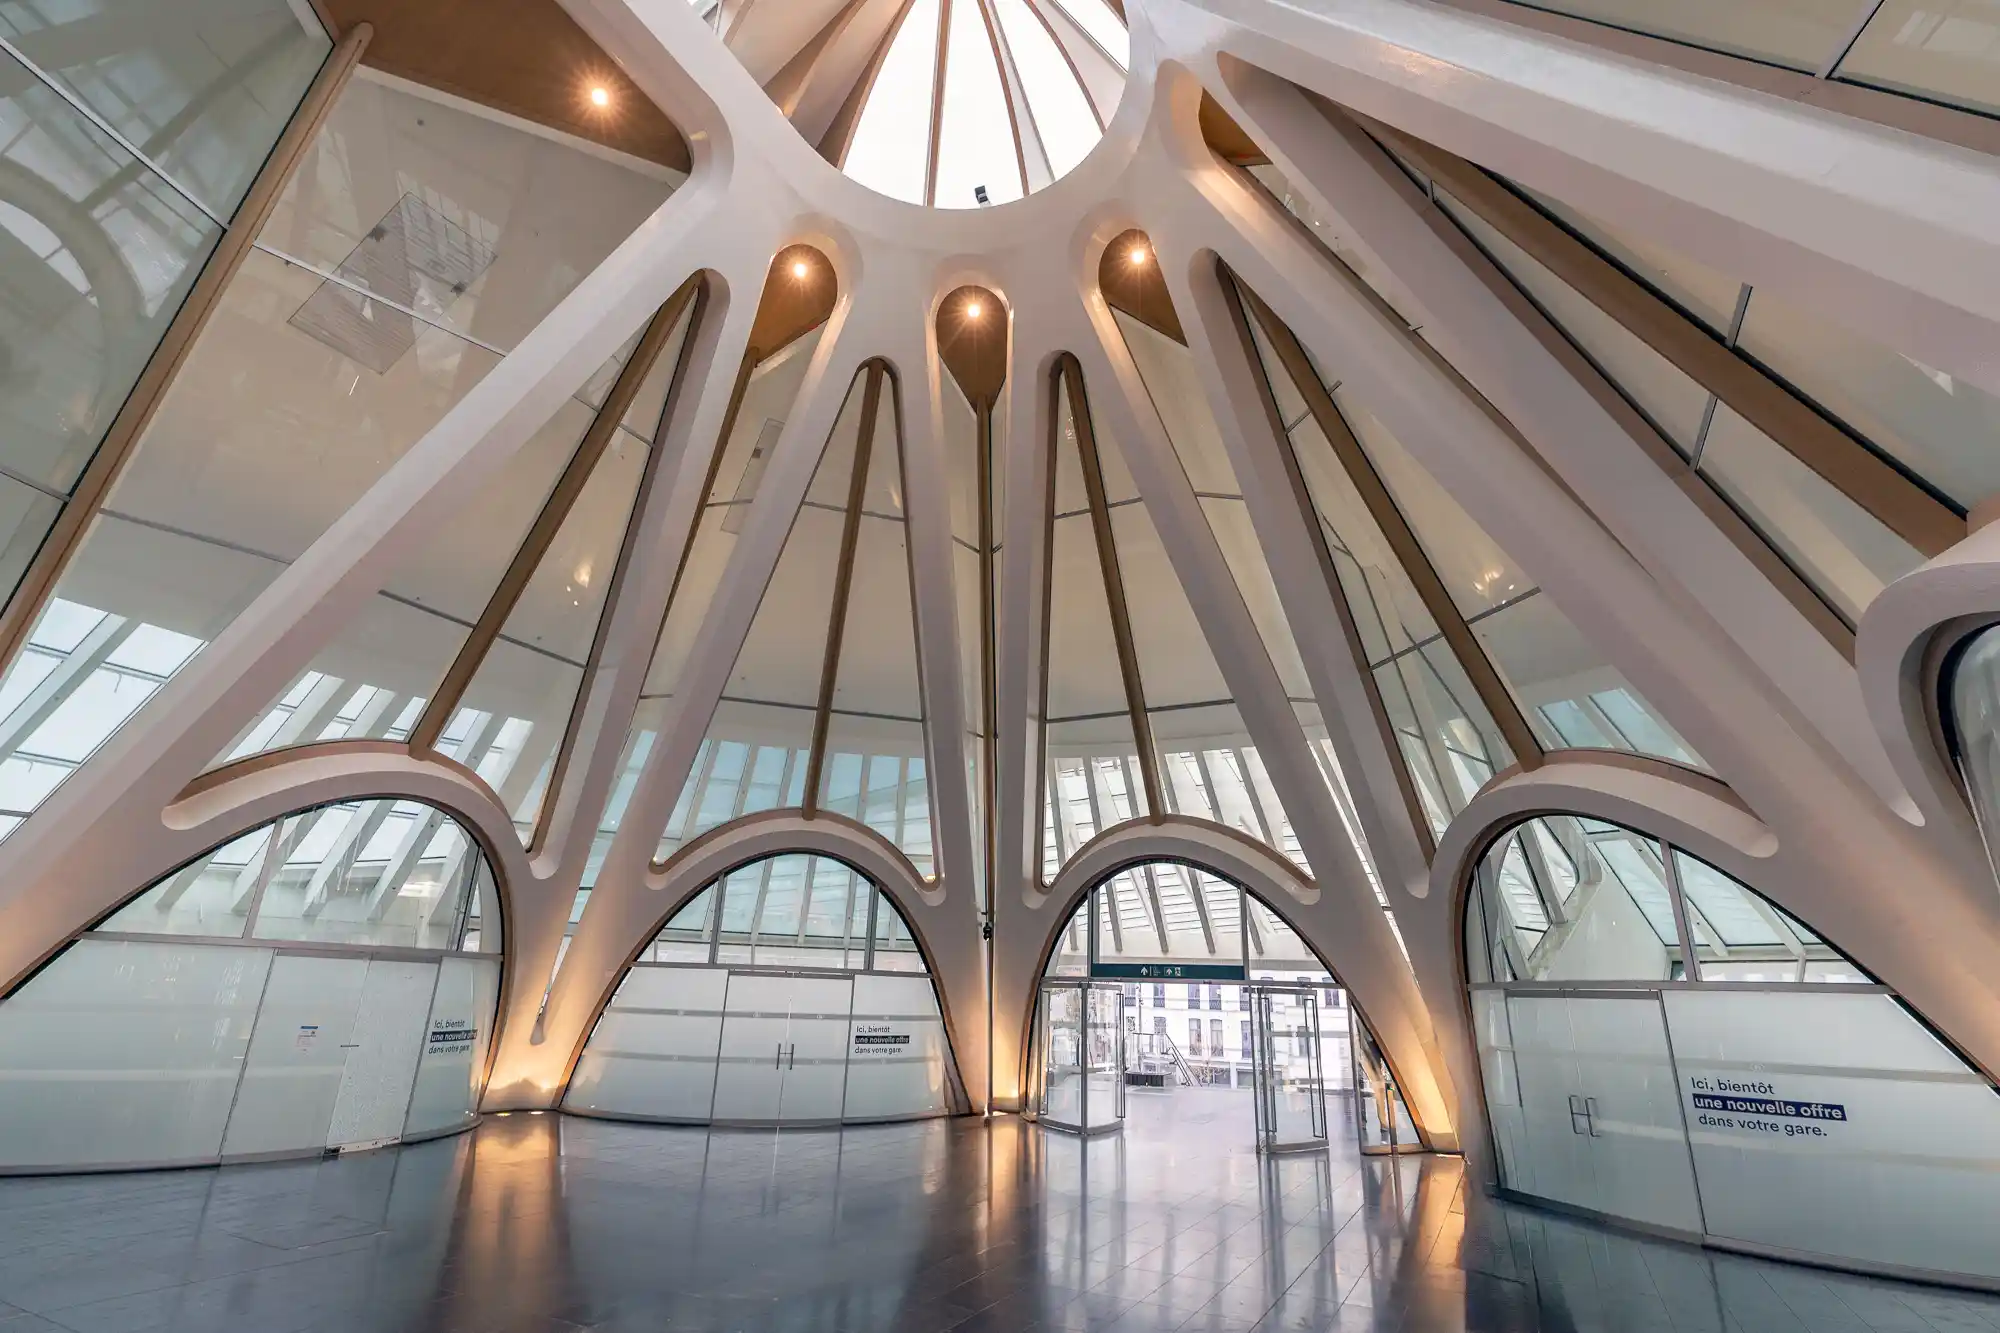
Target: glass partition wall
(789, 992)
(1660, 1044)
(1218, 992)
(325, 982)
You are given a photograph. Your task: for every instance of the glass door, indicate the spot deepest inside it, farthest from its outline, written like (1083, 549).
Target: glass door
(1104, 1067)
(1599, 1111)
(1079, 1056)
(814, 1089)
(380, 1070)
(1287, 1071)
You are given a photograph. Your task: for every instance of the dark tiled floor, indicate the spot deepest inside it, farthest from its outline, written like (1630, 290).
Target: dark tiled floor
(547, 1225)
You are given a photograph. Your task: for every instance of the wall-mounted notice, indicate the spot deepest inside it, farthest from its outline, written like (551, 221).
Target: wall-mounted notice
(881, 1039)
(1754, 1107)
(1833, 1123)
(451, 1036)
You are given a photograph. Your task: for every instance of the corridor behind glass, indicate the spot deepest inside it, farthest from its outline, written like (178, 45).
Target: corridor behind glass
(788, 992)
(1199, 972)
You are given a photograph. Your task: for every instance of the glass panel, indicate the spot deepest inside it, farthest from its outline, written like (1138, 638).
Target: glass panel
(890, 150)
(533, 673)
(1839, 547)
(98, 253)
(298, 1055)
(1799, 1104)
(976, 138)
(653, 1052)
(1658, 388)
(1697, 289)
(1062, 116)
(210, 896)
(898, 1059)
(203, 87)
(768, 399)
(106, 1017)
(1549, 667)
(1104, 1066)
(453, 212)
(452, 1069)
(1062, 1055)
(383, 872)
(1937, 425)
(874, 769)
(1739, 936)
(816, 1046)
(1948, 50)
(1347, 249)
(1104, 26)
(1563, 903)
(750, 1078)
(1803, 34)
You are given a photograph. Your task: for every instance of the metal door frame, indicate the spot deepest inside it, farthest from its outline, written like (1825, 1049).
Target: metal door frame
(1039, 1056)
(1264, 1079)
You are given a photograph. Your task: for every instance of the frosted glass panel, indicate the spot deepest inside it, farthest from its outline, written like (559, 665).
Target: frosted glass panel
(297, 1056)
(452, 1065)
(897, 1052)
(1835, 1124)
(126, 1052)
(652, 1055)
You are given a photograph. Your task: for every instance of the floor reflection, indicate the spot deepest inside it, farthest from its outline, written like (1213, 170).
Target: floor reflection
(550, 1224)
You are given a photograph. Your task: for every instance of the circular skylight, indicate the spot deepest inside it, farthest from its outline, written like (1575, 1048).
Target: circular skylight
(977, 102)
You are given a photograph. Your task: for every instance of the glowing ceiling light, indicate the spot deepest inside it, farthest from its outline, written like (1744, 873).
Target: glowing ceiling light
(972, 310)
(799, 269)
(600, 97)
(1138, 255)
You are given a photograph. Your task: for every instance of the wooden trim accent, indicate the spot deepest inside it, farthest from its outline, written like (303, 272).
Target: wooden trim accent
(526, 58)
(1069, 60)
(1140, 290)
(1001, 63)
(121, 439)
(974, 352)
(1899, 503)
(843, 585)
(839, 134)
(988, 645)
(555, 510)
(1309, 514)
(789, 84)
(1052, 435)
(1225, 138)
(790, 306)
(1403, 543)
(1114, 584)
(937, 100)
(622, 569)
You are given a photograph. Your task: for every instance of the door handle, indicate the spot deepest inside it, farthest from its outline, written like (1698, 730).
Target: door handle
(1590, 1116)
(778, 1060)
(792, 1056)
(1579, 1115)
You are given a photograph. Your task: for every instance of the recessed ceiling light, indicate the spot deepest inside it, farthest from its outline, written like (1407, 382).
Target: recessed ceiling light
(972, 310)
(600, 97)
(1138, 254)
(799, 269)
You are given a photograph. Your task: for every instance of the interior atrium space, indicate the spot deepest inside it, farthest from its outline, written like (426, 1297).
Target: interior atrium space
(1000, 666)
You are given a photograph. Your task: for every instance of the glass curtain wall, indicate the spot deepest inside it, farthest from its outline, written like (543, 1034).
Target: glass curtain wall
(415, 243)
(126, 154)
(1183, 943)
(1841, 550)
(1970, 686)
(791, 990)
(1228, 783)
(1658, 1042)
(824, 710)
(1938, 52)
(326, 981)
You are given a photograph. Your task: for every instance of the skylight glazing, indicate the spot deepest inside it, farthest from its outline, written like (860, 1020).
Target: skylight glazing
(978, 102)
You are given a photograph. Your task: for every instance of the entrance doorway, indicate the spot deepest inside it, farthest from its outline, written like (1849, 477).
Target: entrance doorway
(1080, 1072)
(1229, 1024)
